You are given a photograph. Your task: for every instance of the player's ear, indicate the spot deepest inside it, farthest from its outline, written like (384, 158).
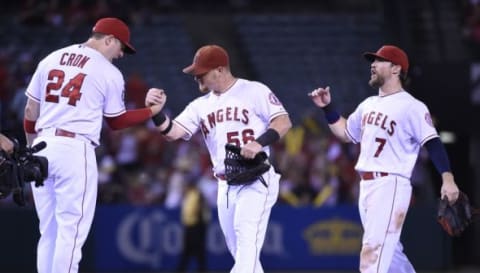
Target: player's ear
(109, 39)
(396, 69)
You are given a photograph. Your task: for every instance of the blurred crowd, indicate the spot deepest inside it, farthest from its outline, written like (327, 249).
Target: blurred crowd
(471, 26)
(137, 166)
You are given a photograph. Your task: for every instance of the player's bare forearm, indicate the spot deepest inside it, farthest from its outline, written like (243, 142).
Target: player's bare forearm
(277, 128)
(29, 138)
(32, 110)
(176, 132)
(338, 129)
(281, 124)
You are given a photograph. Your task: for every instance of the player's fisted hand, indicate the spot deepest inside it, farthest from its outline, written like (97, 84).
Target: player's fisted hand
(251, 149)
(155, 96)
(449, 189)
(6, 144)
(321, 96)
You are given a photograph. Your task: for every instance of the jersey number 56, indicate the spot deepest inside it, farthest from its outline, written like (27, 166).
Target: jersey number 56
(239, 138)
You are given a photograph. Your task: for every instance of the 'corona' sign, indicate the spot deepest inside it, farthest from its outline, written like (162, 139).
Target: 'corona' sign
(334, 237)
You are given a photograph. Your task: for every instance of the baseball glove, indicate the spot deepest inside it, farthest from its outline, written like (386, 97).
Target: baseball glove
(454, 219)
(243, 171)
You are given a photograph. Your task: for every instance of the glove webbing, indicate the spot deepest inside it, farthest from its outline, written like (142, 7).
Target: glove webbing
(240, 170)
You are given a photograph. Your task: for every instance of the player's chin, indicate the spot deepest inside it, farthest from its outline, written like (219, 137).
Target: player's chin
(375, 82)
(203, 89)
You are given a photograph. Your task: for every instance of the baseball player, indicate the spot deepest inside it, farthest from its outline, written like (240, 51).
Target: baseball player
(390, 128)
(70, 91)
(240, 112)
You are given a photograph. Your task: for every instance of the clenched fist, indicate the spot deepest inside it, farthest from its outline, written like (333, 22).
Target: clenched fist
(155, 96)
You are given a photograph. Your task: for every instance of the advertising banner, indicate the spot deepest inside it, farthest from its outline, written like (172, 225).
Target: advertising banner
(150, 239)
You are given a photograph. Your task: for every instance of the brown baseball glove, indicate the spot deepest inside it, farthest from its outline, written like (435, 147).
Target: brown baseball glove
(454, 219)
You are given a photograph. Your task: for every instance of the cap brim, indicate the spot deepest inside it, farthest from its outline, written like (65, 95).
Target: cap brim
(370, 56)
(129, 49)
(195, 71)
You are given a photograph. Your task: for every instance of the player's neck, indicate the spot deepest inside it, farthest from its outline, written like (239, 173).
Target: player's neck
(227, 84)
(94, 44)
(389, 88)
(230, 82)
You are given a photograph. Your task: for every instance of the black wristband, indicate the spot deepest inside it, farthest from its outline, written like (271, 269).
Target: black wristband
(331, 113)
(269, 137)
(169, 127)
(159, 118)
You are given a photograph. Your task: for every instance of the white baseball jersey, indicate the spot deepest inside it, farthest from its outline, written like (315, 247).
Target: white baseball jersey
(76, 86)
(237, 116)
(390, 129)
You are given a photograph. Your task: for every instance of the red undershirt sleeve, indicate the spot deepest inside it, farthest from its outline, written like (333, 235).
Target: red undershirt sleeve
(129, 118)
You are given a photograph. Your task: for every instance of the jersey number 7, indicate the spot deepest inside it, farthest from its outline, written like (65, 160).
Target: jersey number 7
(381, 144)
(71, 90)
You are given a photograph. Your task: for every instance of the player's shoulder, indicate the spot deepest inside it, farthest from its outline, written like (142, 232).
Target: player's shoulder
(253, 84)
(203, 99)
(368, 100)
(55, 53)
(253, 87)
(409, 104)
(407, 97)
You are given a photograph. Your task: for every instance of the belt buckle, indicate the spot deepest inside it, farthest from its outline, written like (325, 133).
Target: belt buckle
(379, 174)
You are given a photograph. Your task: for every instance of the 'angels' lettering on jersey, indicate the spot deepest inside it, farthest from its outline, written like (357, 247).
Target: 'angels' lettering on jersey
(222, 115)
(237, 117)
(72, 59)
(390, 129)
(379, 119)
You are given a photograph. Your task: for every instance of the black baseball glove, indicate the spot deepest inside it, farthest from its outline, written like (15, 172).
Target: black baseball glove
(454, 219)
(243, 171)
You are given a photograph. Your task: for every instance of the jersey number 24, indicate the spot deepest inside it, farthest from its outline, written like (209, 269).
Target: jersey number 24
(71, 90)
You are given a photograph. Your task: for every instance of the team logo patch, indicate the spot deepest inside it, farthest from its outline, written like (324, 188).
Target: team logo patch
(428, 119)
(273, 99)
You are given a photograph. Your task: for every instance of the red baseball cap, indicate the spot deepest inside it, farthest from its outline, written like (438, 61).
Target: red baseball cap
(117, 28)
(207, 58)
(390, 53)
